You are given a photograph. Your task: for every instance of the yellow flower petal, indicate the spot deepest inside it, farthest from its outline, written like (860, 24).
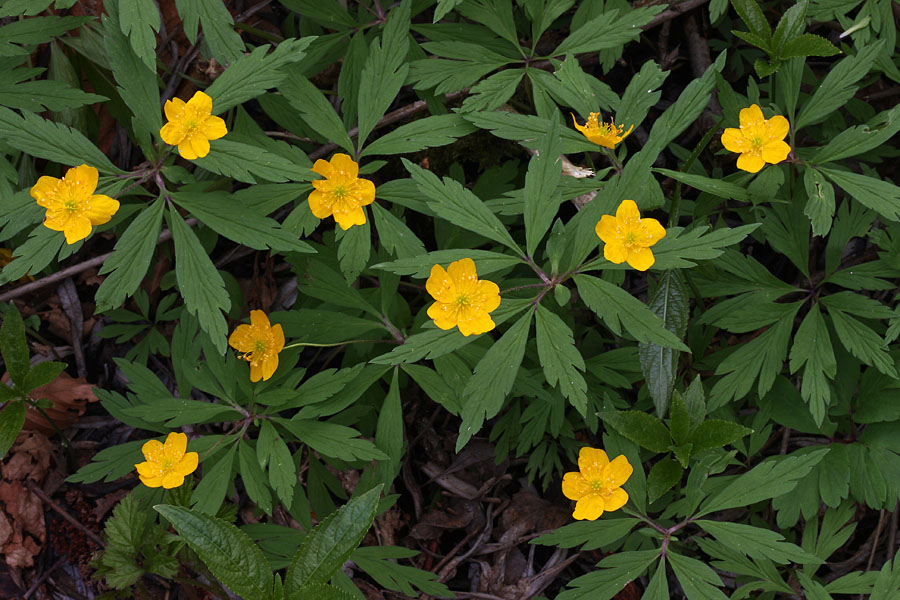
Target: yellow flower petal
(592, 462)
(641, 259)
(606, 228)
(176, 444)
(173, 109)
(653, 229)
(258, 318)
(323, 168)
(750, 163)
(214, 128)
(439, 284)
(188, 464)
(76, 229)
(628, 211)
(462, 299)
(618, 471)
(349, 218)
(732, 140)
(83, 180)
(574, 486)
(778, 128)
(751, 116)
(589, 508)
(199, 145)
(99, 209)
(615, 252)
(171, 479)
(775, 152)
(345, 165)
(615, 500)
(200, 102)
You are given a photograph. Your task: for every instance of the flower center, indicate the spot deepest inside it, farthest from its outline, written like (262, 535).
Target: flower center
(597, 486)
(340, 191)
(462, 300)
(630, 238)
(167, 464)
(70, 205)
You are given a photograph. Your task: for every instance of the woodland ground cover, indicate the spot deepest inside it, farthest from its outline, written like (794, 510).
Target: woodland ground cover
(458, 298)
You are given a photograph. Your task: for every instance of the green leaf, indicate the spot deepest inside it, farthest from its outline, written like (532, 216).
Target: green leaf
(861, 138)
(808, 44)
(127, 265)
(752, 16)
(590, 535)
(12, 417)
(644, 430)
(210, 492)
(607, 30)
(769, 479)
(560, 358)
(639, 97)
(658, 588)
(46, 139)
(542, 198)
(228, 216)
(493, 379)
(660, 363)
(790, 26)
(492, 92)
(861, 341)
(37, 252)
(218, 28)
(612, 574)
(389, 433)
(527, 129)
(228, 552)
(716, 187)
(14, 346)
(451, 201)
(35, 30)
(761, 544)
(430, 132)
(244, 162)
(881, 196)
(443, 9)
(617, 307)
(46, 94)
(663, 476)
(254, 479)
(315, 110)
(42, 374)
(716, 433)
(355, 245)
(380, 562)
(419, 267)
(333, 16)
(820, 206)
(384, 71)
(255, 73)
(395, 236)
(328, 546)
(282, 475)
(330, 439)
(838, 85)
(139, 20)
(812, 347)
(319, 591)
(199, 281)
(697, 579)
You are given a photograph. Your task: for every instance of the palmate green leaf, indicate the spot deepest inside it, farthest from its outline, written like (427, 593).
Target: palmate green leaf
(384, 71)
(590, 535)
(861, 341)
(662, 477)
(200, 283)
(355, 245)
(585, 93)
(210, 492)
(643, 429)
(612, 574)
(560, 358)
(443, 8)
(137, 84)
(46, 94)
(861, 138)
(17, 212)
(617, 307)
(660, 363)
(697, 579)
(881, 196)
(658, 588)
(769, 479)
(757, 543)
(447, 76)
(888, 582)
(497, 15)
(607, 30)
(716, 187)
(315, 110)
(430, 132)
(254, 479)
(332, 440)
(12, 417)
(15, 8)
(527, 129)
(218, 28)
(139, 20)
(542, 198)
(45, 139)
(389, 433)
(228, 552)
(716, 433)
(395, 236)
(493, 379)
(246, 162)
(327, 285)
(109, 464)
(319, 591)
(453, 202)
(494, 91)
(272, 451)
(380, 562)
(333, 16)
(639, 97)
(130, 259)
(37, 252)
(14, 346)
(255, 73)
(331, 542)
(419, 267)
(820, 206)
(228, 216)
(17, 37)
(812, 347)
(838, 85)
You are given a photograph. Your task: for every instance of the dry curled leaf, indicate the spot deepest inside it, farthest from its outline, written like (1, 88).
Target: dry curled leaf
(69, 396)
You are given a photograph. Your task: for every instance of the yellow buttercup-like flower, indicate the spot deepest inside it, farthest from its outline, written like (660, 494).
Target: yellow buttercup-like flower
(462, 299)
(759, 140)
(167, 464)
(260, 343)
(72, 206)
(342, 193)
(603, 134)
(597, 486)
(192, 125)
(628, 237)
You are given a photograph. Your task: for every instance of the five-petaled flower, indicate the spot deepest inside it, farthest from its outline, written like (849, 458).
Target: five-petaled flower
(628, 237)
(462, 300)
(759, 140)
(167, 464)
(192, 125)
(342, 193)
(598, 485)
(603, 134)
(72, 206)
(260, 343)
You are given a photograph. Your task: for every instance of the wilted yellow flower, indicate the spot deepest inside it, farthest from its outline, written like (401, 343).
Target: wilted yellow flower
(167, 464)
(192, 125)
(759, 140)
(462, 300)
(342, 193)
(603, 134)
(598, 485)
(72, 206)
(628, 237)
(260, 343)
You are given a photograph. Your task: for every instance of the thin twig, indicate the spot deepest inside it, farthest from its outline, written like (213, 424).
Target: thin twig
(44, 576)
(62, 512)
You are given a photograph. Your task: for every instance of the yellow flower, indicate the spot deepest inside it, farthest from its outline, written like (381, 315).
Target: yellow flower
(191, 125)
(72, 206)
(759, 140)
(462, 300)
(603, 134)
(260, 343)
(598, 486)
(167, 464)
(628, 237)
(341, 193)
